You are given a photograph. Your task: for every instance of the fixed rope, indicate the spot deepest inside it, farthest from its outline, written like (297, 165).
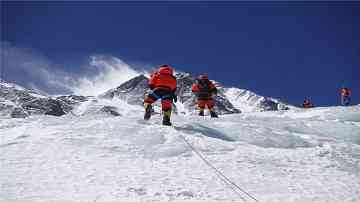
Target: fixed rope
(72, 113)
(222, 177)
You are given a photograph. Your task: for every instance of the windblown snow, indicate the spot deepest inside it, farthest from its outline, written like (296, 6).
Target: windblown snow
(112, 72)
(293, 156)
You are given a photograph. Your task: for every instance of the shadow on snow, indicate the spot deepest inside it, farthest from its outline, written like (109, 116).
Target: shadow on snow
(206, 131)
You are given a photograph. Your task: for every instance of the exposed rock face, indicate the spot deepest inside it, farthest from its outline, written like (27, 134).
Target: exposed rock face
(6, 107)
(18, 102)
(18, 113)
(110, 110)
(68, 102)
(132, 91)
(268, 105)
(46, 106)
(96, 107)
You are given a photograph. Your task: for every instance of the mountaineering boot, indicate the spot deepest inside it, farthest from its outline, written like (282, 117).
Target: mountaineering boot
(166, 118)
(148, 111)
(213, 114)
(201, 113)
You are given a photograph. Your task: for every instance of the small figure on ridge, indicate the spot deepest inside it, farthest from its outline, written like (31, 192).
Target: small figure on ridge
(345, 96)
(307, 104)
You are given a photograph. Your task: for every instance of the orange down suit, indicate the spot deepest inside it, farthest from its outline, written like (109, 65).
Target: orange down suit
(204, 89)
(163, 86)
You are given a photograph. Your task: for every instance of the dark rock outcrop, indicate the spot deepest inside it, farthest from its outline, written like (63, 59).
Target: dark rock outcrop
(18, 113)
(69, 102)
(268, 105)
(132, 91)
(46, 106)
(110, 110)
(18, 102)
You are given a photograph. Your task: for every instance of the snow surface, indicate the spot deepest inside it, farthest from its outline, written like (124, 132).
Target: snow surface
(12, 85)
(248, 101)
(296, 155)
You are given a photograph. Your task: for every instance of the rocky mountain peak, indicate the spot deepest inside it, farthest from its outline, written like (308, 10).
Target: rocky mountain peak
(228, 100)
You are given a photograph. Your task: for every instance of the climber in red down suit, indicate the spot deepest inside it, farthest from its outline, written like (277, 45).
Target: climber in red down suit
(162, 84)
(204, 89)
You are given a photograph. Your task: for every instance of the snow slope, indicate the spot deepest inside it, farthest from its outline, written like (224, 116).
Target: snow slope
(248, 101)
(295, 155)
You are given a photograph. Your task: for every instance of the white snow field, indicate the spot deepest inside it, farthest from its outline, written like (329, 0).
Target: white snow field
(293, 156)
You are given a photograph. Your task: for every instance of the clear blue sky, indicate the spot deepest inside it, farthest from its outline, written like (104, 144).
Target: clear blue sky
(284, 50)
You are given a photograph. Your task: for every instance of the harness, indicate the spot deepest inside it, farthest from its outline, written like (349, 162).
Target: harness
(159, 97)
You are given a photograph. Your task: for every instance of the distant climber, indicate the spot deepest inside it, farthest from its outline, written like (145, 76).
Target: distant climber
(162, 86)
(204, 89)
(345, 96)
(307, 104)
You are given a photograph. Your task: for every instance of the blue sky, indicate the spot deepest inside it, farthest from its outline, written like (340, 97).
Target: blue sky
(279, 49)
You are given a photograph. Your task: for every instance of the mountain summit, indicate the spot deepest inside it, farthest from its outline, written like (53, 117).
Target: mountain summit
(228, 100)
(17, 101)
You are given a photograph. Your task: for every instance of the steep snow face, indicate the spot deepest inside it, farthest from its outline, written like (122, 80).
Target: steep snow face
(248, 101)
(290, 156)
